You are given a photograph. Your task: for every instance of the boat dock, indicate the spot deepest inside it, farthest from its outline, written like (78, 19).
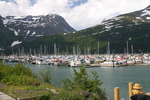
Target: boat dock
(103, 60)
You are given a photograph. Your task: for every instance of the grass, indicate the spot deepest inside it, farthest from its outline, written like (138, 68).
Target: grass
(27, 91)
(42, 92)
(30, 93)
(20, 82)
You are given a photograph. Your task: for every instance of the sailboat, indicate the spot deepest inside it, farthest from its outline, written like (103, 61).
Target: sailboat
(110, 61)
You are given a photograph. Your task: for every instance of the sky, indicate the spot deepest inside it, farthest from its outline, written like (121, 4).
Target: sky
(79, 14)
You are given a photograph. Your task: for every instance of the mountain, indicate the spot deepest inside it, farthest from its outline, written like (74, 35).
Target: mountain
(7, 37)
(132, 27)
(32, 27)
(15, 30)
(131, 30)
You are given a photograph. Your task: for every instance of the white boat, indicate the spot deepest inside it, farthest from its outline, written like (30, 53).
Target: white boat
(109, 64)
(37, 62)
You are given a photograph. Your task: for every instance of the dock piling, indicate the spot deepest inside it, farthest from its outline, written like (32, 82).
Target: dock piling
(116, 93)
(130, 88)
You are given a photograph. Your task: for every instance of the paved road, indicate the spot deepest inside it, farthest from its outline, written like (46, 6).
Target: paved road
(4, 96)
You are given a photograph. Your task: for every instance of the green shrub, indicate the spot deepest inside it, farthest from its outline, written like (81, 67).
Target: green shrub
(17, 75)
(81, 82)
(5, 70)
(20, 69)
(46, 76)
(20, 80)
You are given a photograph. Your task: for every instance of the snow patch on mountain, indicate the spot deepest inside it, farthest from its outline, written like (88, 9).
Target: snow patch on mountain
(145, 12)
(5, 21)
(15, 43)
(147, 17)
(138, 17)
(19, 17)
(36, 18)
(43, 24)
(38, 35)
(117, 18)
(27, 33)
(110, 23)
(118, 26)
(33, 34)
(15, 32)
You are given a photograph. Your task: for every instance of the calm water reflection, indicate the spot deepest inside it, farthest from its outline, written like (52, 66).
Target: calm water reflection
(111, 77)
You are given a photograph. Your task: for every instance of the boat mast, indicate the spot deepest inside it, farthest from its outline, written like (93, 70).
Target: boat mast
(67, 52)
(45, 52)
(40, 49)
(12, 51)
(108, 51)
(74, 51)
(30, 51)
(132, 49)
(127, 47)
(55, 49)
(98, 48)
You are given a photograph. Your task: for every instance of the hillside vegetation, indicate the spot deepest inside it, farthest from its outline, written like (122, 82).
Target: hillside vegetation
(132, 28)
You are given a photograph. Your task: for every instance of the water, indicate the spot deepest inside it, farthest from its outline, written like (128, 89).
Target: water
(111, 77)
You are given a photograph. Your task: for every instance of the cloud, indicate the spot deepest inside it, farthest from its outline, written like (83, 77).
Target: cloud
(74, 3)
(79, 14)
(49, 6)
(94, 11)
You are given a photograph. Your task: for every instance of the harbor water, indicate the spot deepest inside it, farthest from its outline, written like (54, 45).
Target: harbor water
(110, 76)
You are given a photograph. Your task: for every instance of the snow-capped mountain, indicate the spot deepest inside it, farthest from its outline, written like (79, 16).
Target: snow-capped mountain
(145, 13)
(129, 22)
(133, 27)
(16, 30)
(7, 37)
(31, 27)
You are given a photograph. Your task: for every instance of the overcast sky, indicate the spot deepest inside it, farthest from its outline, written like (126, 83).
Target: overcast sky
(80, 14)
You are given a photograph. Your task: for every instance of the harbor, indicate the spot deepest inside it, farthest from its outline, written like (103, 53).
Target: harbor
(103, 60)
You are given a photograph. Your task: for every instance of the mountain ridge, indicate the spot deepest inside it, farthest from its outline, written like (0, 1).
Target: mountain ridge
(132, 28)
(28, 28)
(31, 27)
